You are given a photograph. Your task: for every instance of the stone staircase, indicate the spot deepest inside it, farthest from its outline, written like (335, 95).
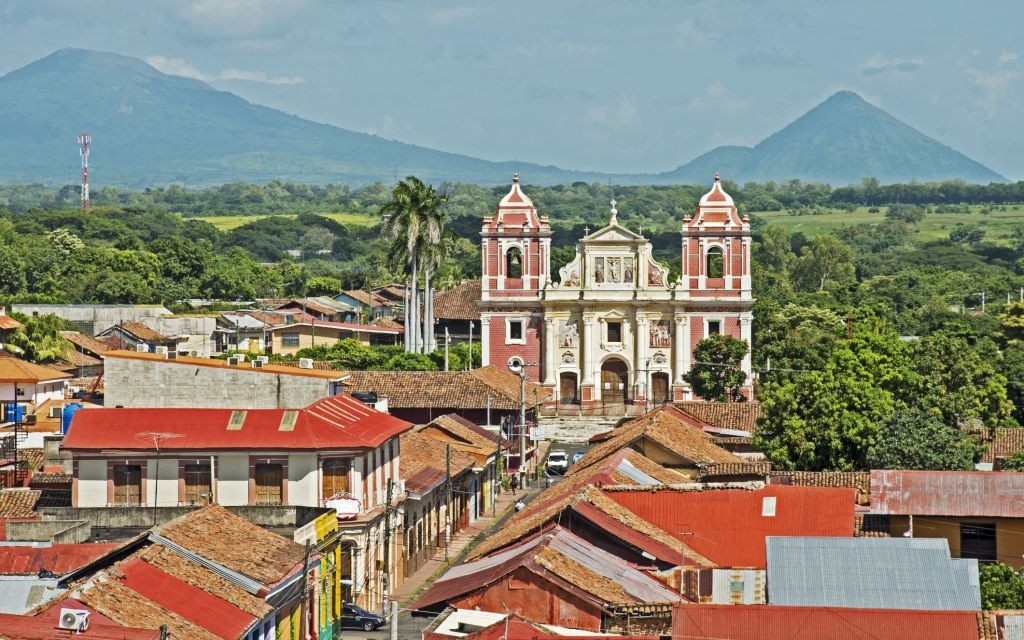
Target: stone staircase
(575, 428)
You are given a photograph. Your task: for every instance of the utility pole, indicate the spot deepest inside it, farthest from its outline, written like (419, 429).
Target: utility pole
(522, 428)
(469, 366)
(303, 603)
(447, 339)
(982, 294)
(448, 497)
(387, 543)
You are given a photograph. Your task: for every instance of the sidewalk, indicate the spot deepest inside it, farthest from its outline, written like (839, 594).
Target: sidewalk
(461, 544)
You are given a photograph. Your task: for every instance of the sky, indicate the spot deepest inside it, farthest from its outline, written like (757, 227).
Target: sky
(602, 85)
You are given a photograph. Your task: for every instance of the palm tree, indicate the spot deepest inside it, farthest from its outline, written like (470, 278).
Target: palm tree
(39, 340)
(414, 222)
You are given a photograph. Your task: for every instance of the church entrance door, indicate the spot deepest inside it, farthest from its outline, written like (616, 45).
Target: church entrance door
(567, 388)
(659, 388)
(614, 381)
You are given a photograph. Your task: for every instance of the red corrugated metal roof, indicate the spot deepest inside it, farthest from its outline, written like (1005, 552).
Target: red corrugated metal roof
(338, 422)
(14, 627)
(59, 558)
(727, 526)
(195, 605)
(948, 493)
(630, 536)
(768, 622)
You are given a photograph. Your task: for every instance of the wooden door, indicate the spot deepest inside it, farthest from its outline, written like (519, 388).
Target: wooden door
(268, 484)
(128, 485)
(567, 388)
(336, 472)
(198, 484)
(659, 388)
(614, 382)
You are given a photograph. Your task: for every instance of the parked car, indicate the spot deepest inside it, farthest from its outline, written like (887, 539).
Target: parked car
(558, 462)
(576, 456)
(353, 617)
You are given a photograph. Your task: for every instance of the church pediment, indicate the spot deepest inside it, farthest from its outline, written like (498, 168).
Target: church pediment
(613, 233)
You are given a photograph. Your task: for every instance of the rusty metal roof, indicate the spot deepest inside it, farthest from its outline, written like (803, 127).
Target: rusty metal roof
(948, 493)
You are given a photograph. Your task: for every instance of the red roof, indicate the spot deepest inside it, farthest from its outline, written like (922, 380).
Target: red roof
(948, 493)
(773, 622)
(337, 422)
(14, 627)
(195, 605)
(61, 559)
(727, 527)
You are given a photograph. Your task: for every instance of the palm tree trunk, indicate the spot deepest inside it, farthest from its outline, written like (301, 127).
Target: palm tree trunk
(415, 311)
(428, 315)
(408, 303)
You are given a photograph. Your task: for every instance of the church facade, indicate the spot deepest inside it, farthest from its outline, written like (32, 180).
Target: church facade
(614, 330)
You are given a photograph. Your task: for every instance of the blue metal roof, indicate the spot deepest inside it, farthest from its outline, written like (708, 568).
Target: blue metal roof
(885, 573)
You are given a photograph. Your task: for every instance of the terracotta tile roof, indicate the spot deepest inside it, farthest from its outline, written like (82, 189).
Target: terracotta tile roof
(761, 469)
(8, 323)
(18, 503)
(395, 292)
(869, 526)
(199, 576)
(18, 370)
(105, 593)
(458, 303)
(387, 323)
(33, 458)
(727, 440)
(233, 542)
(562, 558)
(86, 343)
(319, 305)
(78, 359)
(466, 431)
(859, 480)
(663, 427)
(1006, 443)
(420, 453)
(268, 317)
(142, 332)
(447, 389)
(725, 415)
(369, 299)
(50, 478)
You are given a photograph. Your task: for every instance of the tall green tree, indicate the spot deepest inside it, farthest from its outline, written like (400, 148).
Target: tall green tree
(716, 373)
(39, 339)
(1001, 586)
(826, 264)
(414, 220)
(916, 439)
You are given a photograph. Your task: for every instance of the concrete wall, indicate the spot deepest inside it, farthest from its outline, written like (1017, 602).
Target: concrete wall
(233, 479)
(164, 383)
(92, 483)
(303, 480)
(55, 531)
(167, 493)
(145, 517)
(100, 316)
(196, 331)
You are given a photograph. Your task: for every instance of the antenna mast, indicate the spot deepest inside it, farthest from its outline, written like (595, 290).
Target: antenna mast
(84, 139)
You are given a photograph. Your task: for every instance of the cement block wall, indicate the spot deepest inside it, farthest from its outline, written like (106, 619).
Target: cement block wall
(130, 382)
(56, 531)
(101, 316)
(145, 517)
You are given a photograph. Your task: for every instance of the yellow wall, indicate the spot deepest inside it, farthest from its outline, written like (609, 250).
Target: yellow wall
(323, 336)
(1009, 533)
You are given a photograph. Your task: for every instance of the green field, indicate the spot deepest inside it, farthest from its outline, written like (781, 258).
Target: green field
(227, 223)
(999, 226)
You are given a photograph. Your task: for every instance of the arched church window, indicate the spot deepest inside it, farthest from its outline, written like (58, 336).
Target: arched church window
(715, 263)
(514, 263)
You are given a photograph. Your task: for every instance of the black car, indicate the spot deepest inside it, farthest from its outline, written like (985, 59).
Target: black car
(353, 617)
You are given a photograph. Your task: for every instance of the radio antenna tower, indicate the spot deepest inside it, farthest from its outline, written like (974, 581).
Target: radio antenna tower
(84, 139)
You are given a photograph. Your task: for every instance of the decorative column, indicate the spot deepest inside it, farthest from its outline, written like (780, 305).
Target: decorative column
(745, 324)
(549, 351)
(586, 365)
(485, 340)
(643, 376)
(681, 344)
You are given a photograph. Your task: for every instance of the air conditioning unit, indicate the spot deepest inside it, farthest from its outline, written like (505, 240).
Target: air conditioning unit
(194, 354)
(73, 619)
(162, 350)
(172, 355)
(305, 363)
(56, 411)
(142, 348)
(234, 361)
(257, 364)
(263, 359)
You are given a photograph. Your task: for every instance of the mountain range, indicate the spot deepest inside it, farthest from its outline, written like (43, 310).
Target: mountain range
(150, 129)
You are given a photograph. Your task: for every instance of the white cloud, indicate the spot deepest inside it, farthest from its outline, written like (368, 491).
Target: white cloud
(622, 113)
(259, 76)
(177, 67)
(878, 65)
(444, 17)
(180, 67)
(717, 96)
(994, 83)
(1007, 57)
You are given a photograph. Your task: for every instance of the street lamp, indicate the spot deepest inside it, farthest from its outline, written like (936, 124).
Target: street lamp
(516, 366)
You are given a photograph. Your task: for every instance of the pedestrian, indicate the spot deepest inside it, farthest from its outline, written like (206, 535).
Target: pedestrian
(520, 505)
(513, 484)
